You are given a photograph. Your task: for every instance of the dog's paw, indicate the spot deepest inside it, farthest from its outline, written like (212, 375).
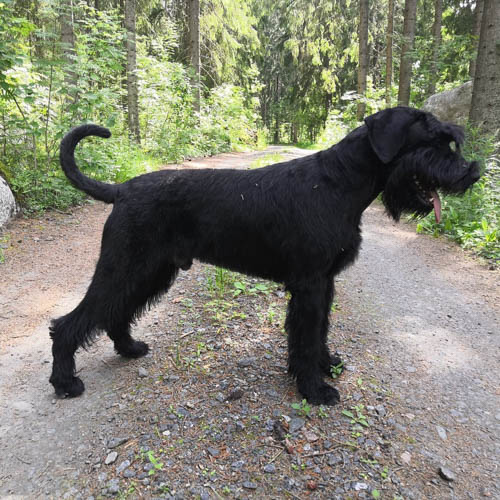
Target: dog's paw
(135, 349)
(323, 394)
(70, 389)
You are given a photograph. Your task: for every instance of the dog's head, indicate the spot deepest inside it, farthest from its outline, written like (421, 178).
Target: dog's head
(421, 156)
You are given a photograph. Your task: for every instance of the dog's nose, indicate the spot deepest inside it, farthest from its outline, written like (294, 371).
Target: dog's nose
(474, 171)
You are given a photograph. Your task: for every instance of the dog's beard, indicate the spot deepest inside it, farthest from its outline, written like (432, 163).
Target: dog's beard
(412, 187)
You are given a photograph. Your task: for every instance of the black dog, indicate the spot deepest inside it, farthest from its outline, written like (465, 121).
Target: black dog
(295, 222)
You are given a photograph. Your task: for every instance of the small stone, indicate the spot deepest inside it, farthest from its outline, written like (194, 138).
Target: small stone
(360, 486)
(405, 457)
(295, 425)
(249, 485)
(129, 473)
(114, 442)
(447, 474)
(441, 432)
(235, 394)
(114, 486)
(237, 465)
(411, 369)
(111, 458)
(310, 436)
(122, 466)
(245, 362)
(214, 452)
(381, 411)
(142, 372)
(270, 468)
(333, 460)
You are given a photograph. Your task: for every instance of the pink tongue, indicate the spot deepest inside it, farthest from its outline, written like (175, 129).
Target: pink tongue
(437, 206)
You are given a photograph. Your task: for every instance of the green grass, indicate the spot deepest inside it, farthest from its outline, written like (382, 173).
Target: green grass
(267, 160)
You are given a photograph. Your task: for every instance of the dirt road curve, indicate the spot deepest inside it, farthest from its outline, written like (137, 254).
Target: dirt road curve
(209, 413)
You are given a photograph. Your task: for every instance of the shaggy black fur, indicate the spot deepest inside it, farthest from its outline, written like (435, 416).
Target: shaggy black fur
(295, 222)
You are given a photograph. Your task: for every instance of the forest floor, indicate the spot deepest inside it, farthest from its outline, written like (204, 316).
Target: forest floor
(211, 412)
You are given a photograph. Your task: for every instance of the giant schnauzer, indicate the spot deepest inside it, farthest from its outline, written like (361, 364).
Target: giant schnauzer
(296, 223)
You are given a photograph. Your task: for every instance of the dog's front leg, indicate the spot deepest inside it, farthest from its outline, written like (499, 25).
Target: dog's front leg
(305, 324)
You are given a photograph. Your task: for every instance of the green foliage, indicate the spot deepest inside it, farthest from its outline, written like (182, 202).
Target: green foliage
(303, 408)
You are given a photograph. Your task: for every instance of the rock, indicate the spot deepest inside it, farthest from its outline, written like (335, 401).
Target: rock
(360, 486)
(405, 457)
(214, 452)
(8, 207)
(114, 486)
(310, 436)
(441, 432)
(249, 485)
(111, 458)
(295, 425)
(122, 466)
(381, 411)
(143, 372)
(270, 468)
(245, 362)
(114, 442)
(235, 394)
(447, 474)
(451, 105)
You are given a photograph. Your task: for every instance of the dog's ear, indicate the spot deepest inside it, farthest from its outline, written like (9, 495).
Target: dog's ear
(387, 130)
(455, 132)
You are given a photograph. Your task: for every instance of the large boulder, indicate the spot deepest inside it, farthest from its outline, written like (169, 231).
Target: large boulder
(451, 105)
(8, 207)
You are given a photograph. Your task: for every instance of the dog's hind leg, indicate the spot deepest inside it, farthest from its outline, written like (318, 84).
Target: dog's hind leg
(328, 360)
(305, 324)
(68, 333)
(148, 287)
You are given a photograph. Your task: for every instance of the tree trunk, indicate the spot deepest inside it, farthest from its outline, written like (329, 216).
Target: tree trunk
(68, 50)
(478, 16)
(436, 45)
(132, 91)
(194, 48)
(388, 53)
(363, 56)
(485, 106)
(410, 21)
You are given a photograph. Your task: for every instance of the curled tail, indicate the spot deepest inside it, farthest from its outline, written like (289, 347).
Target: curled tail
(98, 190)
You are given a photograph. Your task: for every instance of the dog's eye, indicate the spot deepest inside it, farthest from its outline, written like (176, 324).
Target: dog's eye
(453, 146)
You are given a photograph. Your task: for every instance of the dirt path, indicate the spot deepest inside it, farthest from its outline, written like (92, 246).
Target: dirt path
(209, 412)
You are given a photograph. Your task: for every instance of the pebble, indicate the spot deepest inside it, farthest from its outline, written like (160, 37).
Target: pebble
(405, 457)
(249, 485)
(122, 466)
(270, 468)
(380, 409)
(114, 442)
(310, 436)
(245, 362)
(142, 372)
(441, 432)
(447, 474)
(111, 458)
(295, 424)
(214, 452)
(360, 486)
(114, 486)
(235, 394)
